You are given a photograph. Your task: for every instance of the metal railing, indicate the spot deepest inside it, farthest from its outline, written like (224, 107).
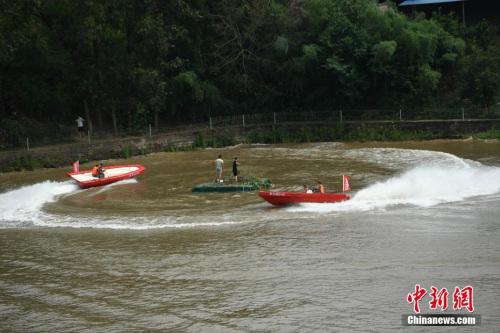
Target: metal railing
(354, 115)
(277, 118)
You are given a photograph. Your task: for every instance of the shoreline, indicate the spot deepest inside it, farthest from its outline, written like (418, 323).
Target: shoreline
(49, 157)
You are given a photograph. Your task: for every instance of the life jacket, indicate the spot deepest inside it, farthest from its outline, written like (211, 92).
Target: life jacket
(95, 171)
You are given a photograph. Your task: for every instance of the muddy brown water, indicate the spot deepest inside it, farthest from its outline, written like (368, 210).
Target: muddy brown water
(147, 254)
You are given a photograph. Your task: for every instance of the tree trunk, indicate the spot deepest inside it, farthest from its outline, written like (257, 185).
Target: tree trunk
(2, 101)
(113, 115)
(173, 111)
(100, 124)
(87, 115)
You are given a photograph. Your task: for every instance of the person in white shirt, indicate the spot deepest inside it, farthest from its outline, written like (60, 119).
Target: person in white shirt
(219, 165)
(79, 124)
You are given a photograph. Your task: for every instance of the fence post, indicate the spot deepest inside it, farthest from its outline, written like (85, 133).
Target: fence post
(400, 115)
(210, 122)
(463, 114)
(341, 120)
(243, 118)
(88, 135)
(150, 133)
(274, 118)
(27, 143)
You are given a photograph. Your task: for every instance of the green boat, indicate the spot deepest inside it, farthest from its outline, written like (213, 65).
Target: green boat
(229, 185)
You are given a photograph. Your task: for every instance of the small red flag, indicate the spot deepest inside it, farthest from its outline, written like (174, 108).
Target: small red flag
(345, 183)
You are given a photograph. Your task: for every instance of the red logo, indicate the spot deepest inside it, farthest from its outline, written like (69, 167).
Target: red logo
(462, 298)
(439, 299)
(416, 297)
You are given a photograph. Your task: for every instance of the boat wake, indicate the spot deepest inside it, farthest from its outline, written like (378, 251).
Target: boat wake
(441, 178)
(136, 223)
(24, 205)
(118, 183)
(449, 180)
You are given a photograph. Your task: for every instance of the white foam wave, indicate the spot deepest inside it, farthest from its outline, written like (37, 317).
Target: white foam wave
(118, 183)
(124, 224)
(388, 158)
(23, 207)
(398, 159)
(24, 204)
(422, 186)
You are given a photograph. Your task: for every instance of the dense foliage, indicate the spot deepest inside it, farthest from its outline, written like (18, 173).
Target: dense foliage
(122, 64)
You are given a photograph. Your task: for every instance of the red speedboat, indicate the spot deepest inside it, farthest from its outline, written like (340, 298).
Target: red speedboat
(112, 174)
(288, 198)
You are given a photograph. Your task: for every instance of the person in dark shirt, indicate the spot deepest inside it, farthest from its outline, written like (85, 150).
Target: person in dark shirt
(101, 170)
(235, 168)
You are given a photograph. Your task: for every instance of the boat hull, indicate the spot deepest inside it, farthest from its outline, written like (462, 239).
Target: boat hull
(112, 174)
(289, 198)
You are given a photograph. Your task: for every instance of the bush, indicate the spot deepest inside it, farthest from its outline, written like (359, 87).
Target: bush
(199, 141)
(126, 152)
(25, 162)
(223, 139)
(492, 133)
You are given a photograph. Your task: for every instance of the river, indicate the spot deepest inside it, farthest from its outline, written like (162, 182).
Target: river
(147, 254)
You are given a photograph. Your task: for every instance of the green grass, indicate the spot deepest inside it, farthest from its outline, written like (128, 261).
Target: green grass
(26, 162)
(337, 133)
(489, 134)
(174, 148)
(387, 134)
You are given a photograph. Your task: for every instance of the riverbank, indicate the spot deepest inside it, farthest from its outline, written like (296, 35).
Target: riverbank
(195, 138)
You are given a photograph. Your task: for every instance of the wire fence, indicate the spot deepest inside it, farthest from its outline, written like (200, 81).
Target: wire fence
(372, 115)
(271, 118)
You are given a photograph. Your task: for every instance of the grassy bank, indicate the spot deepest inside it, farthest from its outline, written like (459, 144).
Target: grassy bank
(338, 133)
(27, 162)
(488, 135)
(225, 138)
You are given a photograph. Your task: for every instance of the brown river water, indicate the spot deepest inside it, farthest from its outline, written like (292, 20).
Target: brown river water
(148, 255)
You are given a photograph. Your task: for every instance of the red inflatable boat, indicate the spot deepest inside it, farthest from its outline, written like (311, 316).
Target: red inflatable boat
(288, 198)
(112, 173)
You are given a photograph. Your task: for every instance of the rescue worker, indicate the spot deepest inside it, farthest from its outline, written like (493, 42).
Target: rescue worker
(320, 188)
(235, 168)
(100, 171)
(219, 164)
(95, 171)
(307, 189)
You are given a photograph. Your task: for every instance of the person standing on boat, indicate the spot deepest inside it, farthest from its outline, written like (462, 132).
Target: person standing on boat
(219, 165)
(235, 168)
